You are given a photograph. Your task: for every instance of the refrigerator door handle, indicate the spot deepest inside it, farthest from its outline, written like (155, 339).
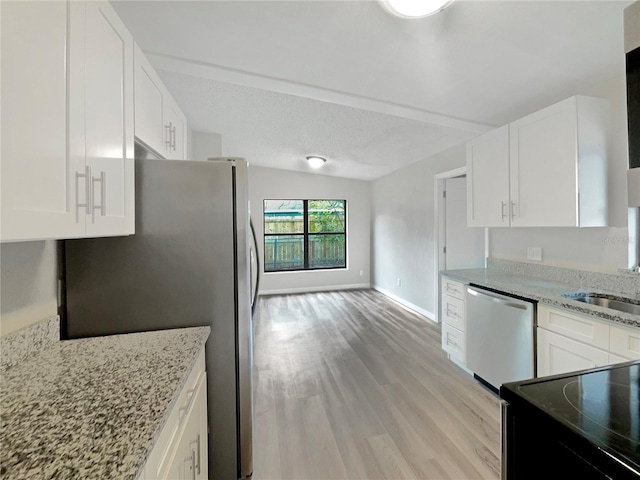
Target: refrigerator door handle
(254, 300)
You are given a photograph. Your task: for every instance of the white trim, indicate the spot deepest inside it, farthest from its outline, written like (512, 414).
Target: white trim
(405, 303)
(461, 365)
(264, 82)
(438, 228)
(284, 291)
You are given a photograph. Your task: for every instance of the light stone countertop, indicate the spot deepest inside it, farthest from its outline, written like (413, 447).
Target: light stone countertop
(92, 408)
(543, 291)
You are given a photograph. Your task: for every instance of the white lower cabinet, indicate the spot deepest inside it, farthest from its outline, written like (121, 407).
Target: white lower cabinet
(181, 451)
(452, 303)
(569, 341)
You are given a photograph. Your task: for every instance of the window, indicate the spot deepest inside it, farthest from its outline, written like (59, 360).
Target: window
(304, 234)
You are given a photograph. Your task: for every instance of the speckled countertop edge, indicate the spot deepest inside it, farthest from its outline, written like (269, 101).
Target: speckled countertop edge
(540, 290)
(17, 346)
(93, 407)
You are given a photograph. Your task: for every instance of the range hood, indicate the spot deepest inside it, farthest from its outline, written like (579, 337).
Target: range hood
(632, 52)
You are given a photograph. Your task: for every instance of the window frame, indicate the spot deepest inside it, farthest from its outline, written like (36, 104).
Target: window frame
(305, 235)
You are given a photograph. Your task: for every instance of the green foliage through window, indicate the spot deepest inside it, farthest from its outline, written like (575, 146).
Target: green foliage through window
(304, 234)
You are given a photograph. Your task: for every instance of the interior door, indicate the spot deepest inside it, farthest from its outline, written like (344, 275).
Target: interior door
(464, 246)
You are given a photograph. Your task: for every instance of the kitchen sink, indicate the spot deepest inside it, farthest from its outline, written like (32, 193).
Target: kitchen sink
(621, 304)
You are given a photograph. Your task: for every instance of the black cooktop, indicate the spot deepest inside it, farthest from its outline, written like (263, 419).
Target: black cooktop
(602, 405)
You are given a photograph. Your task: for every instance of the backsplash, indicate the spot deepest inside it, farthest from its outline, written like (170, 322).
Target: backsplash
(626, 283)
(19, 345)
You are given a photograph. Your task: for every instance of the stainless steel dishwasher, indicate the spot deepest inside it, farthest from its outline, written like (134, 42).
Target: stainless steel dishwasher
(500, 337)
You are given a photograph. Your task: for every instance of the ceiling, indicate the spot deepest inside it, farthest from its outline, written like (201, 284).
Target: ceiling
(279, 80)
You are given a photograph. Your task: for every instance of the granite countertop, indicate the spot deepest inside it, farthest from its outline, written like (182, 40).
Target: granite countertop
(92, 407)
(543, 291)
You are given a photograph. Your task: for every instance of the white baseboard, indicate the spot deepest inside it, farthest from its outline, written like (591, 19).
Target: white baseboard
(407, 304)
(284, 291)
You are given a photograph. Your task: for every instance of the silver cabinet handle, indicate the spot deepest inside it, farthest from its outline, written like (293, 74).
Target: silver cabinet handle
(513, 209)
(190, 463)
(102, 180)
(183, 410)
(87, 192)
(449, 342)
(452, 314)
(195, 446)
(173, 138)
(167, 142)
(503, 204)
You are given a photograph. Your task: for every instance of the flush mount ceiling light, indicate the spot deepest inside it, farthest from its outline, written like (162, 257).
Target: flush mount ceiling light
(414, 8)
(315, 161)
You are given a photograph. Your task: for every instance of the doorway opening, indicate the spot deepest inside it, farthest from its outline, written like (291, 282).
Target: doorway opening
(457, 246)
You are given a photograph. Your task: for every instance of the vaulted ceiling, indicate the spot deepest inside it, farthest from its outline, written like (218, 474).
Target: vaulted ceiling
(283, 79)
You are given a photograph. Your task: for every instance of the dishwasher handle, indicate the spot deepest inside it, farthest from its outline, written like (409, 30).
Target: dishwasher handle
(491, 298)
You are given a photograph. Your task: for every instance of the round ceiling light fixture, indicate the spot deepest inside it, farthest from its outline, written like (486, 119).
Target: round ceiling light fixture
(415, 8)
(316, 161)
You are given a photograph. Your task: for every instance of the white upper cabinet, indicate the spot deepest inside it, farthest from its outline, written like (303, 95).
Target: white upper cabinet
(488, 179)
(38, 166)
(159, 122)
(556, 169)
(558, 174)
(109, 121)
(67, 121)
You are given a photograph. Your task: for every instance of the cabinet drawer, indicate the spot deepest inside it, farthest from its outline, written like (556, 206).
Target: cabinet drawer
(454, 343)
(625, 342)
(613, 359)
(161, 456)
(453, 288)
(453, 312)
(579, 327)
(559, 354)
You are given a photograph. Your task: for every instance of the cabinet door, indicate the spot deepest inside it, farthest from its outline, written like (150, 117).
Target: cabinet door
(109, 121)
(190, 457)
(558, 354)
(625, 342)
(149, 106)
(543, 167)
(488, 179)
(38, 166)
(177, 130)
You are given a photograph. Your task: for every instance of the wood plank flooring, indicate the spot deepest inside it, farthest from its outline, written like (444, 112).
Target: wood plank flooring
(351, 385)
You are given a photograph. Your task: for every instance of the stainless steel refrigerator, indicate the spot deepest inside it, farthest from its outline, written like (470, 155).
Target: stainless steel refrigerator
(188, 264)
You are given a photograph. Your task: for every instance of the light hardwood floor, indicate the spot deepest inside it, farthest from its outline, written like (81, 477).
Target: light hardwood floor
(351, 385)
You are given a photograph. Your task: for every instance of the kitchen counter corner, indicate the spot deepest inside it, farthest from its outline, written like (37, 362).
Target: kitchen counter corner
(93, 407)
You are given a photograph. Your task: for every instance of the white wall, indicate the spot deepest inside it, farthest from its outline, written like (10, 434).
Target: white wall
(205, 145)
(594, 249)
(403, 243)
(269, 183)
(27, 284)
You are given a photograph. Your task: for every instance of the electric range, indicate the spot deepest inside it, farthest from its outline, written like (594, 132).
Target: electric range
(587, 422)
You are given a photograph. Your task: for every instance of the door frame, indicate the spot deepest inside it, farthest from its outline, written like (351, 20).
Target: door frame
(439, 231)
